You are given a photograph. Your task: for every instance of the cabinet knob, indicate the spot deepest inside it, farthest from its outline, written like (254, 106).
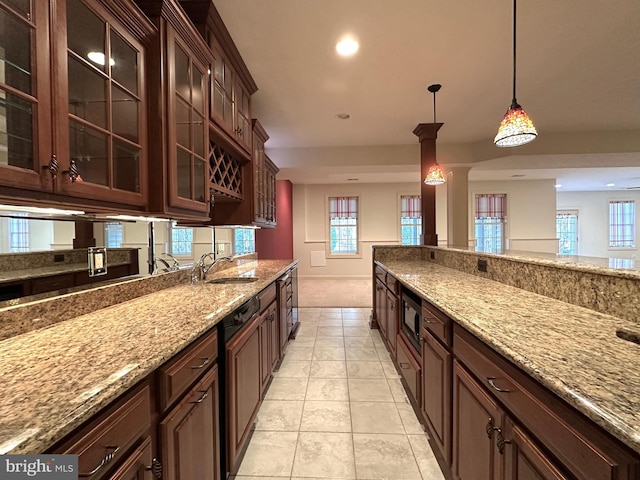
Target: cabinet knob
(73, 172)
(501, 441)
(490, 428)
(155, 468)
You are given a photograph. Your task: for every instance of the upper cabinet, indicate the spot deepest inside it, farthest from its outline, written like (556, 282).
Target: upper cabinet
(179, 83)
(73, 98)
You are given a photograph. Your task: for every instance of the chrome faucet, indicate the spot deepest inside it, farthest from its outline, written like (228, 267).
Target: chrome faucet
(201, 268)
(175, 265)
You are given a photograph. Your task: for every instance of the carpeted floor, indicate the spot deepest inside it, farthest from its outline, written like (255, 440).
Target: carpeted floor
(335, 292)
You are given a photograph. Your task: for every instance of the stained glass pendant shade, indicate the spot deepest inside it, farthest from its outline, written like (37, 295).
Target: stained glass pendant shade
(516, 128)
(435, 175)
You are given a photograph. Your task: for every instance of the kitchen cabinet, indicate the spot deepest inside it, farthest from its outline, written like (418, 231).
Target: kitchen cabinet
(410, 370)
(526, 431)
(178, 67)
(189, 434)
(288, 307)
(139, 465)
(386, 308)
(75, 103)
(269, 334)
(244, 389)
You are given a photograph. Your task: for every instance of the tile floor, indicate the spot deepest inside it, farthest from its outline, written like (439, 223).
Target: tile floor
(335, 292)
(336, 409)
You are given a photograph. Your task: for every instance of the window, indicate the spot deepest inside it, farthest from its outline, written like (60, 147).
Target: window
(410, 219)
(567, 232)
(491, 216)
(113, 234)
(244, 240)
(181, 240)
(343, 225)
(19, 233)
(622, 224)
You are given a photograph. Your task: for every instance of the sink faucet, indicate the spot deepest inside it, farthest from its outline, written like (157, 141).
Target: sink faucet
(207, 261)
(175, 265)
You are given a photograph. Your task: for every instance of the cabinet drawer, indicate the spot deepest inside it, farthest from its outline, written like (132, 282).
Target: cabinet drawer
(409, 368)
(381, 274)
(106, 441)
(393, 284)
(49, 284)
(436, 322)
(267, 296)
(178, 375)
(586, 450)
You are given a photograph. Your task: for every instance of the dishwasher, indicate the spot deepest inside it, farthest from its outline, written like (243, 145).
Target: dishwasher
(228, 329)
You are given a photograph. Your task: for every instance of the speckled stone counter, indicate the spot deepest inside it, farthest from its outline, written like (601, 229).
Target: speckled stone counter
(571, 350)
(53, 379)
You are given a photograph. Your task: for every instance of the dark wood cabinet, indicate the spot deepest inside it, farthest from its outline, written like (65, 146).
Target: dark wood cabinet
(189, 434)
(436, 392)
(76, 103)
(392, 317)
(269, 343)
(138, 466)
(387, 309)
(244, 389)
(410, 369)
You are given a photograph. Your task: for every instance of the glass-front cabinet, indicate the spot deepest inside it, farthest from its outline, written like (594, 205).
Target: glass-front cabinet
(72, 99)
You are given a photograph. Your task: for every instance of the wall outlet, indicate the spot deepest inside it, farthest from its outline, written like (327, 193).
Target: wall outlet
(482, 265)
(58, 257)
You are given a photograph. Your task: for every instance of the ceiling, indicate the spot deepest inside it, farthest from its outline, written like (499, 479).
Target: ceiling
(578, 71)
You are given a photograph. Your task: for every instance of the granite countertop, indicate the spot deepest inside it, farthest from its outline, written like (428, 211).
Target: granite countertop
(571, 350)
(62, 268)
(54, 379)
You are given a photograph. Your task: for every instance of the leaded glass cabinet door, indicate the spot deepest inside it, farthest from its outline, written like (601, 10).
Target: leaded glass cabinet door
(102, 107)
(25, 93)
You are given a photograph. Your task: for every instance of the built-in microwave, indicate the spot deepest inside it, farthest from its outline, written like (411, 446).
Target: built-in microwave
(411, 318)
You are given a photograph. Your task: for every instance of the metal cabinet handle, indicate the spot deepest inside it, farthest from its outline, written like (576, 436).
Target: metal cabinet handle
(106, 459)
(205, 362)
(201, 399)
(155, 468)
(404, 366)
(490, 427)
(501, 441)
(491, 381)
(73, 172)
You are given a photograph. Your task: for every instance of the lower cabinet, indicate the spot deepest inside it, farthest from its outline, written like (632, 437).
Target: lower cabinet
(189, 434)
(243, 389)
(269, 343)
(139, 465)
(409, 369)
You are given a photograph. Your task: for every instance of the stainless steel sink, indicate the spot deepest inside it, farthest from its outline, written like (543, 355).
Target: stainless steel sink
(629, 334)
(231, 280)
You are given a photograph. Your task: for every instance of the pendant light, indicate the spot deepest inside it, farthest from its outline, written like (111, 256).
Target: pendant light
(516, 127)
(435, 175)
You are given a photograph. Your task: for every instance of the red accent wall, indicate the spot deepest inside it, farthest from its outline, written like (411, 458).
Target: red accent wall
(277, 243)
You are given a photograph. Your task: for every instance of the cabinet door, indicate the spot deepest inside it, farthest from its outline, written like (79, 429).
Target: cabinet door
(436, 392)
(381, 308)
(265, 350)
(138, 465)
(189, 434)
(274, 336)
(475, 420)
(222, 86)
(259, 180)
(392, 321)
(25, 100)
(101, 138)
(244, 387)
(242, 128)
(524, 460)
(188, 136)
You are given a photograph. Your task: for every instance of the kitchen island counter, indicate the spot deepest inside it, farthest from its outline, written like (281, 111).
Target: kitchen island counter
(571, 350)
(54, 379)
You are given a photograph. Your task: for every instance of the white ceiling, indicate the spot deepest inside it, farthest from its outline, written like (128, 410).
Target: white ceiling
(578, 71)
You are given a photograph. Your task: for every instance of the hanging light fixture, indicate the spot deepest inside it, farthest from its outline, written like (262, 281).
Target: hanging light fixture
(516, 127)
(435, 175)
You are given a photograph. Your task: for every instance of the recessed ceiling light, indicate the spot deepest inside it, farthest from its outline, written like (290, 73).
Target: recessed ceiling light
(347, 46)
(611, 185)
(343, 116)
(558, 185)
(518, 175)
(352, 179)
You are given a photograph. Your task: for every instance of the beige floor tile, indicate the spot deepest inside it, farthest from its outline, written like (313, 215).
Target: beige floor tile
(328, 353)
(280, 415)
(330, 332)
(362, 354)
(331, 312)
(383, 354)
(269, 453)
(356, 332)
(358, 342)
(293, 368)
(356, 369)
(384, 456)
(330, 322)
(355, 322)
(261, 477)
(397, 390)
(409, 419)
(283, 388)
(427, 463)
(389, 369)
(329, 342)
(308, 341)
(376, 417)
(324, 455)
(329, 389)
(323, 416)
(328, 369)
(299, 352)
(369, 390)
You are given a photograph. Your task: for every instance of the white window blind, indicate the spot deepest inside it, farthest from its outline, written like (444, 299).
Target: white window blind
(410, 219)
(622, 224)
(490, 217)
(343, 224)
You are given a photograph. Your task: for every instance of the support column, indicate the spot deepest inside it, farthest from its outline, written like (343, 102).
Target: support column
(427, 134)
(84, 235)
(458, 207)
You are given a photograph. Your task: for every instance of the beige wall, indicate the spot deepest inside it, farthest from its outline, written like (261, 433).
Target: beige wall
(593, 221)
